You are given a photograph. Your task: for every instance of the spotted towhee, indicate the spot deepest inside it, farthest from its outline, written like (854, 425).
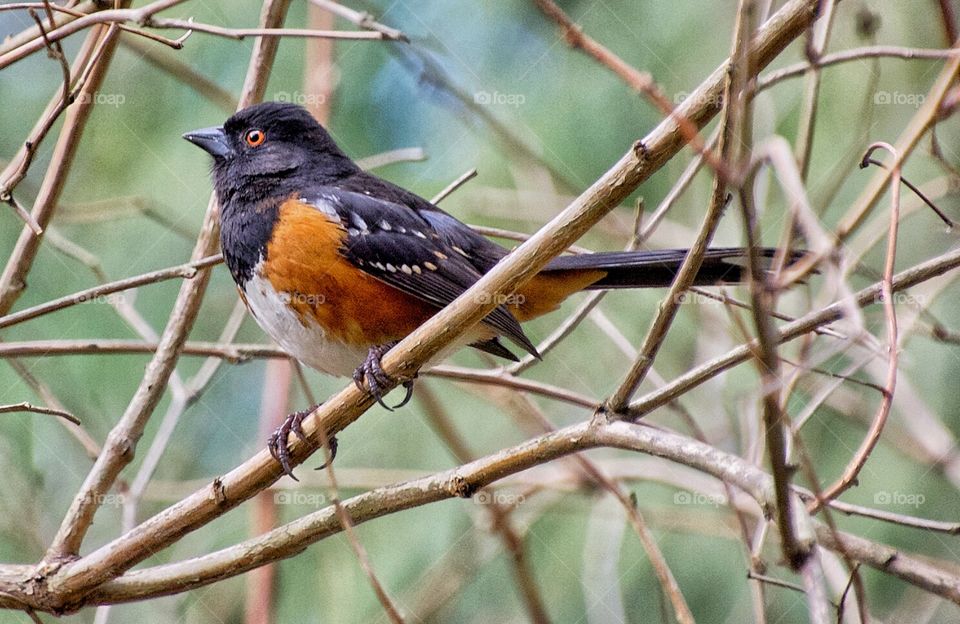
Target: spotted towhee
(337, 265)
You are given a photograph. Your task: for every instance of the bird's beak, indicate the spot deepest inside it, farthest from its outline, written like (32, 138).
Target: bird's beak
(211, 140)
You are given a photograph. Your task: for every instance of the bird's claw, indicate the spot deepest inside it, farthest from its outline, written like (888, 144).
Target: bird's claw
(332, 442)
(371, 371)
(278, 446)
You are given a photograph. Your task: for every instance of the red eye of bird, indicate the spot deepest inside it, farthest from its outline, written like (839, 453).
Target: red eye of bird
(254, 137)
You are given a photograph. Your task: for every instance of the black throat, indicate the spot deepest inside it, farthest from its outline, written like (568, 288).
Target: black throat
(245, 230)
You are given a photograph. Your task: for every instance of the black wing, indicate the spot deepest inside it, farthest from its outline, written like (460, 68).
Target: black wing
(479, 251)
(395, 244)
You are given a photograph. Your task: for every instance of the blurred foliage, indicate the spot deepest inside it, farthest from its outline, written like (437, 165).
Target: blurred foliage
(577, 118)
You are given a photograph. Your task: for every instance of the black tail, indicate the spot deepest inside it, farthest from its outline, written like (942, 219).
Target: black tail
(650, 269)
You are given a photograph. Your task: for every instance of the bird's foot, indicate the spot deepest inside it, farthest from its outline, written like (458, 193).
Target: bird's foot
(371, 371)
(278, 446)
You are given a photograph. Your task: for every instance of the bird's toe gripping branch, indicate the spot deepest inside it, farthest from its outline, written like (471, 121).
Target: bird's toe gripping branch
(278, 443)
(371, 372)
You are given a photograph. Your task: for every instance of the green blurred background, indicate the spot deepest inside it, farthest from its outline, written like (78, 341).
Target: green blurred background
(576, 119)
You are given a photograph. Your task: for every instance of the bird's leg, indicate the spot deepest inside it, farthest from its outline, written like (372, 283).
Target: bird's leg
(277, 443)
(376, 378)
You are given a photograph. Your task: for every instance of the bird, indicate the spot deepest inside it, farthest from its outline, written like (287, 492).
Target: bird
(337, 264)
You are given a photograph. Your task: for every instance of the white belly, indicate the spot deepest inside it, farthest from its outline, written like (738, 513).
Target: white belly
(303, 339)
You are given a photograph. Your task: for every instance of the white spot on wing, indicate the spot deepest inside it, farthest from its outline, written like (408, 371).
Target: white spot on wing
(327, 205)
(358, 222)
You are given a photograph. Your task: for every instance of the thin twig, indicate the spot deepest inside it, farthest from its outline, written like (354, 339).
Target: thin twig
(796, 544)
(346, 524)
(937, 526)
(90, 446)
(37, 409)
(943, 217)
(242, 33)
(29, 34)
(187, 271)
(363, 20)
(145, 16)
(856, 54)
(404, 154)
(686, 275)
(886, 403)
(10, 179)
(176, 44)
(453, 186)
